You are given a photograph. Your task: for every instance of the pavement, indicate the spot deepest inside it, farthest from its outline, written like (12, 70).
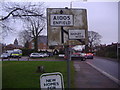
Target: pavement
(88, 77)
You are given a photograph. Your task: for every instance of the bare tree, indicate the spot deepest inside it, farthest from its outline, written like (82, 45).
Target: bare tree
(32, 15)
(94, 39)
(24, 36)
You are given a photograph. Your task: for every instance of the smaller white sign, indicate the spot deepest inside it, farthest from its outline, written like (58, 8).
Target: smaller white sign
(76, 34)
(61, 20)
(51, 81)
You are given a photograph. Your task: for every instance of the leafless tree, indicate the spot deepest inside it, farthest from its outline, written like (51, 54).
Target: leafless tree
(32, 15)
(94, 39)
(24, 36)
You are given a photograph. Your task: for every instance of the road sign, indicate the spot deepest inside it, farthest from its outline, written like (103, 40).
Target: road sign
(52, 81)
(61, 20)
(76, 34)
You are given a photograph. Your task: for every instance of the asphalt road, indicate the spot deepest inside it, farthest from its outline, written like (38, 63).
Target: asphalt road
(88, 77)
(107, 66)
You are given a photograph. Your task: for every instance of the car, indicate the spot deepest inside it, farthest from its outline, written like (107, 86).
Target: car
(4, 55)
(46, 55)
(79, 55)
(38, 55)
(42, 55)
(34, 55)
(61, 55)
(89, 55)
(16, 54)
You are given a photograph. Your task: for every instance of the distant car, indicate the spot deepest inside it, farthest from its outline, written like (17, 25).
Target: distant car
(89, 55)
(38, 55)
(61, 55)
(78, 55)
(16, 54)
(4, 55)
(34, 55)
(42, 55)
(46, 55)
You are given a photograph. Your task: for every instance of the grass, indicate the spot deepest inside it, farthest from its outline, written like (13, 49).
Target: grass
(22, 74)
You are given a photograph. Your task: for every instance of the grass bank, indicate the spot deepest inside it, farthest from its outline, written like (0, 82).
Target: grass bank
(22, 74)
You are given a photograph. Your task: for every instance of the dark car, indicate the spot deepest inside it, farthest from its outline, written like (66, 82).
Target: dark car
(78, 55)
(89, 55)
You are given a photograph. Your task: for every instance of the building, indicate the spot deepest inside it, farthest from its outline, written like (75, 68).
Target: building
(13, 46)
(42, 43)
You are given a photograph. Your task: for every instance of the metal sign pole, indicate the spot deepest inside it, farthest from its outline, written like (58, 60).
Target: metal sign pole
(62, 35)
(67, 52)
(68, 65)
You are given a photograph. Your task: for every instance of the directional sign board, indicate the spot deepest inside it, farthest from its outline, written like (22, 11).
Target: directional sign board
(51, 81)
(76, 34)
(61, 20)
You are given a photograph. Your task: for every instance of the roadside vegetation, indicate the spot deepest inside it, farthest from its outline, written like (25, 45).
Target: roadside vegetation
(23, 74)
(109, 51)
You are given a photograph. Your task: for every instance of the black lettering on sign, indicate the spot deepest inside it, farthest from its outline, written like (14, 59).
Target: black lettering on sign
(48, 80)
(54, 18)
(53, 80)
(51, 88)
(61, 22)
(68, 18)
(61, 18)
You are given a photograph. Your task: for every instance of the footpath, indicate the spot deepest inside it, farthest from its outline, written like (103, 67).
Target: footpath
(88, 77)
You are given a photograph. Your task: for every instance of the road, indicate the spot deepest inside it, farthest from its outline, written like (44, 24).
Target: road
(106, 66)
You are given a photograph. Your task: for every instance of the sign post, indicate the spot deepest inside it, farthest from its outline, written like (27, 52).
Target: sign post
(51, 81)
(62, 20)
(66, 27)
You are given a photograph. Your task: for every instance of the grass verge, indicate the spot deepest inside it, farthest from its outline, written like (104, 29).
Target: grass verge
(22, 74)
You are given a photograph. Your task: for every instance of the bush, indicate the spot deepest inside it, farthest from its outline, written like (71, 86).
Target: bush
(27, 52)
(108, 51)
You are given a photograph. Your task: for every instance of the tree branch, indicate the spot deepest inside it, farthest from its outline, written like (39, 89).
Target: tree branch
(11, 13)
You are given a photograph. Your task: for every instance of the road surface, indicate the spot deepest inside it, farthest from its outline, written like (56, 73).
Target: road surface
(107, 66)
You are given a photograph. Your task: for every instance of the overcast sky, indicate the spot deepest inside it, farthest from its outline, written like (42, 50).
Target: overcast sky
(102, 18)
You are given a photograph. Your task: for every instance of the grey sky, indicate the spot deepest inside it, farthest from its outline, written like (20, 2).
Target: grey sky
(102, 18)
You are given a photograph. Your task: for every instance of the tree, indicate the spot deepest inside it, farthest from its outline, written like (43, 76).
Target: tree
(94, 39)
(24, 37)
(32, 15)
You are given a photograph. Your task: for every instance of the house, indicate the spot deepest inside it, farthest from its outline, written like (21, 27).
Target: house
(2, 48)
(13, 46)
(42, 43)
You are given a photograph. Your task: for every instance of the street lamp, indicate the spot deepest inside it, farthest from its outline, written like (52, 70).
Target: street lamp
(76, 1)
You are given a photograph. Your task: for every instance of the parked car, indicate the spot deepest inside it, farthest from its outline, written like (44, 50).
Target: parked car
(61, 55)
(34, 55)
(42, 55)
(16, 54)
(4, 55)
(37, 55)
(46, 55)
(89, 55)
(79, 55)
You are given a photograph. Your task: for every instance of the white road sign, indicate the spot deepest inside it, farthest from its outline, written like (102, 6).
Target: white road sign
(76, 34)
(51, 81)
(61, 20)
